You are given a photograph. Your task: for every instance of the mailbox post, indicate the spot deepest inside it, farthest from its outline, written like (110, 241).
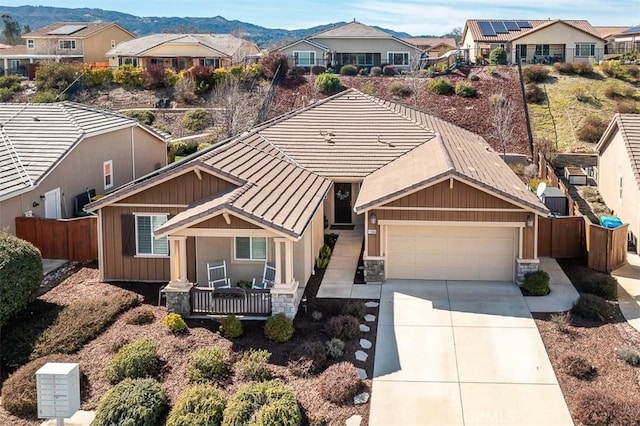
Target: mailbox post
(58, 387)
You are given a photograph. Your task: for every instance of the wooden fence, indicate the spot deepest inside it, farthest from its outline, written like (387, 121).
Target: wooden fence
(606, 248)
(561, 237)
(71, 239)
(225, 301)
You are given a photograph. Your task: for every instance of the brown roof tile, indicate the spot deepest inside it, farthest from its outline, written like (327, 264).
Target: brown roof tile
(629, 127)
(89, 29)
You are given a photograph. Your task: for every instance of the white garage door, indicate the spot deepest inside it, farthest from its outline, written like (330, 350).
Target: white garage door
(451, 253)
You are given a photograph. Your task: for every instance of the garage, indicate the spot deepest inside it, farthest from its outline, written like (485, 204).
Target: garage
(485, 253)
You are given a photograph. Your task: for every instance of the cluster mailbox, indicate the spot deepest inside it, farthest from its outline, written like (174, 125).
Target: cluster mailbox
(58, 387)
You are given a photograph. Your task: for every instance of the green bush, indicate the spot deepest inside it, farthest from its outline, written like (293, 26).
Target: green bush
(334, 347)
(195, 120)
(94, 76)
(327, 83)
(343, 327)
(389, 71)
(19, 395)
(355, 308)
(128, 76)
(498, 56)
(535, 73)
(466, 90)
(10, 82)
(536, 283)
(230, 327)
(279, 328)
(612, 68)
(134, 360)
(6, 94)
(200, 405)
(140, 402)
(139, 317)
(174, 323)
(348, 70)
(143, 116)
(339, 383)
(440, 86)
(593, 307)
(602, 285)
(207, 364)
(20, 275)
(47, 96)
(180, 149)
(56, 76)
(375, 72)
(253, 365)
(400, 90)
(263, 404)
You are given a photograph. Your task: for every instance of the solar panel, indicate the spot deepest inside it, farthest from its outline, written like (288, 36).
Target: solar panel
(511, 26)
(524, 24)
(486, 29)
(67, 29)
(499, 27)
(632, 29)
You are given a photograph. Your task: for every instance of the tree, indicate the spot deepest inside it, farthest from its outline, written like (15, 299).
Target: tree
(239, 108)
(11, 30)
(455, 34)
(501, 120)
(26, 29)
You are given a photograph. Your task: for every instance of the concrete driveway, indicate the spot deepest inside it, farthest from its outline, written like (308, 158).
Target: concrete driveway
(461, 353)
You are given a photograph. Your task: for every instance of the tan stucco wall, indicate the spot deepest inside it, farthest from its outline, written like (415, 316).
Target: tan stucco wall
(51, 46)
(614, 163)
(562, 34)
(306, 47)
(97, 45)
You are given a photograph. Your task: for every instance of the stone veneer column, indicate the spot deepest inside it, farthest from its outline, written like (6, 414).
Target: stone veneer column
(179, 298)
(525, 265)
(374, 270)
(284, 300)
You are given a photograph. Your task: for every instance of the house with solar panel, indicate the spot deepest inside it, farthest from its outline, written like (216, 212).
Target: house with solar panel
(85, 42)
(533, 41)
(627, 40)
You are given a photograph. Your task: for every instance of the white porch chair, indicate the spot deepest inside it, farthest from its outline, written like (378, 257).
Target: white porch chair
(268, 278)
(217, 275)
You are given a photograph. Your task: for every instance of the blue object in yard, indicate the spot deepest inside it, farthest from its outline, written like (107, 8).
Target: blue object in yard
(610, 221)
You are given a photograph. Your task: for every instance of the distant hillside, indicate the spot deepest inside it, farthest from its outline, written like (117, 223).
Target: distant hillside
(39, 16)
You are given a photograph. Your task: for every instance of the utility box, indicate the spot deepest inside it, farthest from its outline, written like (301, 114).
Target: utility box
(58, 386)
(575, 175)
(555, 201)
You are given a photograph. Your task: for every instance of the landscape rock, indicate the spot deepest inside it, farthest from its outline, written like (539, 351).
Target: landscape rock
(369, 318)
(361, 398)
(365, 344)
(354, 420)
(365, 328)
(361, 356)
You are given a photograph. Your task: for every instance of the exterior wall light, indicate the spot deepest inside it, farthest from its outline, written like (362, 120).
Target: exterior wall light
(373, 219)
(529, 221)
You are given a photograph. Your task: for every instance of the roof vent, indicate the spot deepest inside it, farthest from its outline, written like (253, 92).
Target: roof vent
(36, 119)
(389, 144)
(328, 136)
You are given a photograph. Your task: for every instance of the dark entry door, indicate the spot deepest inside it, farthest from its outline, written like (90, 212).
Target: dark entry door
(342, 202)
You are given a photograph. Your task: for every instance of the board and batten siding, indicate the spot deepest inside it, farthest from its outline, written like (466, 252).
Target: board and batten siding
(461, 196)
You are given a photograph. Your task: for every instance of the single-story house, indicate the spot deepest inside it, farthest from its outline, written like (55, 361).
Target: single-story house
(52, 153)
(625, 40)
(352, 43)
(183, 51)
(608, 34)
(619, 170)
(533, 41)
(433, 47)
(435, 200)
(85, 42)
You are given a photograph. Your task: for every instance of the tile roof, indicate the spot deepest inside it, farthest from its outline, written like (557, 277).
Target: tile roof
(472, 25)
(629, 127)
(352, 29)
(35, 137)
(429, 41)
(226, 44)
(609, 31)
(89, 29)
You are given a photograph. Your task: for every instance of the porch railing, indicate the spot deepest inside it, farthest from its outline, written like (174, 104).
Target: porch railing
(225, 301)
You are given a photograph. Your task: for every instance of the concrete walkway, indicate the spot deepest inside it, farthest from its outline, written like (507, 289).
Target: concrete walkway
(563, 294)
(338, 278)
(461, 353)
(628, 277)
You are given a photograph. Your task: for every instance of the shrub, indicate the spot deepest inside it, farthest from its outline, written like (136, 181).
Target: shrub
(334, 347)
(612, 68)
(491, 70)
(309, 358)
(207, 364)
(440, 86)
(143, 116)
(318, 69)
(279, 328)
(593, 307)
(272, 61)
(128, 76)
(562, 320)
(195, 120)
(6, 94)
(582, 68)
(629, 355)
(633, 71)
(134, 360)
(139, 317)
(597, 408)
(533, 93)
(94, 76)
(47, 96)
(339, 383)
(474, 77)
(297, 71)
(19, 395)
(253, 365)
(592, 129)
(10, 82)
(498, 56)
(536, 283)
(316, 316)
(535, 73)
(578, 367)
(20, 274)
(375, 72)
(348, 70)
(389, 71)
(200, 405)
(355, 308)
(327, 83)
(230, 327)
(56, 76)
(400, 90)
(204, 78)
(602, 285)
(343, 327)
(466, 90)
(563, 67)
(185, 90)
(263, 404)
(625, 107)
(140, 402)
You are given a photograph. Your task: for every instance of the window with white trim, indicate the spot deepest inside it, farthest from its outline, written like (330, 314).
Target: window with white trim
(620, 189)
(304, 58)
(585, 49)
(398, 58)
(210, 62)
(251, 248)
(67, 44)
(31, 43)
(146, 244)
(107, 174)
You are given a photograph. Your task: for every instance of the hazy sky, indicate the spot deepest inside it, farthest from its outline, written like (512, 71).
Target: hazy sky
(412, 16)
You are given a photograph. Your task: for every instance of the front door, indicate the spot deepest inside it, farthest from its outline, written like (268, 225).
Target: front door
(342, 202)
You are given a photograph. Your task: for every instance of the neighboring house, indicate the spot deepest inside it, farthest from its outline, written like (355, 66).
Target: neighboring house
(619, 170)
(608, 34)
(433, 47)
(183, 51)
(627, 40)
(85, 42)
(51, 153)
(355, 44)
(533, 41)
(436, 201)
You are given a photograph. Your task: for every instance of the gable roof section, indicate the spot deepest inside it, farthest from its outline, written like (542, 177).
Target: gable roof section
(89, 29)
(629, 127)
(305, 40)
(430, 42)
(34, 138)
(473, 26)
(352, 29)
(606, 32)
(225, 44)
